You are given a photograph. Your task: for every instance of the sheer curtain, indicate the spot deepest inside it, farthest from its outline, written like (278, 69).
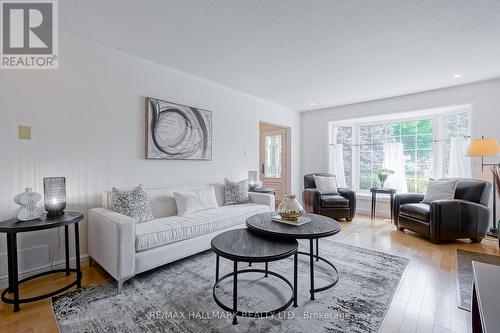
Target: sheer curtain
(459, 165)
(336, 163)
(394, 160)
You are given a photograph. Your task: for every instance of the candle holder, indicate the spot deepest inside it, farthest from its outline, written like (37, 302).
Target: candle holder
(54, 189)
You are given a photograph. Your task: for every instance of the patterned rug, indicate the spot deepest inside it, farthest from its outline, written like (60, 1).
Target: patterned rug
(464, 270)
(178, 297)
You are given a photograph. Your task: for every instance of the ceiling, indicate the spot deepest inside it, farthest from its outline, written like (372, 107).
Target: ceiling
(291, 52)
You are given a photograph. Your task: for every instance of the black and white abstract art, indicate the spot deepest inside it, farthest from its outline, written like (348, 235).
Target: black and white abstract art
(177, 132)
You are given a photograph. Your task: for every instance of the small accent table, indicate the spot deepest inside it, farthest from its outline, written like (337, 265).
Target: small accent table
(267, 190)
(12, 227)
(242, 245)
(375, 190)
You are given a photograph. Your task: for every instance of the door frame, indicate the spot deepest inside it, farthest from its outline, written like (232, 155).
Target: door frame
(263, 126)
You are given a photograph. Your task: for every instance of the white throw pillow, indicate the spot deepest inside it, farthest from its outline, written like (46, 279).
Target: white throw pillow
(440, 190)
(195, 201)
(326, 185)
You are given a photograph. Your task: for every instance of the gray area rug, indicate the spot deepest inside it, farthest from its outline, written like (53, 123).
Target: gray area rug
(178, 297)
(464, 270)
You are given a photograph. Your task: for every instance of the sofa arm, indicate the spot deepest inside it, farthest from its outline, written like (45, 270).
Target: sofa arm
(263, 199)
(112, 242)
(403, 199)
(351, 196)
(452, 219)
(311, 199)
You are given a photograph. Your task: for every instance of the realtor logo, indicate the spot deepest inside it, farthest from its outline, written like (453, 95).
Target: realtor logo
(29, 34)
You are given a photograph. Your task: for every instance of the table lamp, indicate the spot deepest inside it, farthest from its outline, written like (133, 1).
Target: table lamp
(54, 192)
(483, 148)
(252, 180)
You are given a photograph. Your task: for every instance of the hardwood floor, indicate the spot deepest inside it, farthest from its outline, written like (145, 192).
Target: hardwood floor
(426, 300)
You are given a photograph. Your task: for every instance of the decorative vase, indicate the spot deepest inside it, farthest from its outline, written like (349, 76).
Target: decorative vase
(290, 209)
(382, 179)
(28, 201)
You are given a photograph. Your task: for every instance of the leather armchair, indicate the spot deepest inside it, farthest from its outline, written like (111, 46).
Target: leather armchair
(466, 216)
(342, 205)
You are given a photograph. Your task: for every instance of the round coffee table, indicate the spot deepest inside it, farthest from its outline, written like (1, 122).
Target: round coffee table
(319, 227)
(242, 245)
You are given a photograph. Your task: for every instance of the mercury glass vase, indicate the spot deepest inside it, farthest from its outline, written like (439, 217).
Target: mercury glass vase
(290, 209)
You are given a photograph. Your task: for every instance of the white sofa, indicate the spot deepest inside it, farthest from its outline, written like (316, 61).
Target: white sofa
(125, 248)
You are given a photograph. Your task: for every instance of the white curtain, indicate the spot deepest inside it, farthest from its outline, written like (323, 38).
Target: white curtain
(459, 165)
(336, 163)
(394, 160)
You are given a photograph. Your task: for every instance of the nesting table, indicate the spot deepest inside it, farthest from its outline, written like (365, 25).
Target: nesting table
(319, 227)
(241, 245)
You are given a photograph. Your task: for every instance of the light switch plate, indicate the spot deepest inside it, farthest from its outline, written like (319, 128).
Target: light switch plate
(24, 132)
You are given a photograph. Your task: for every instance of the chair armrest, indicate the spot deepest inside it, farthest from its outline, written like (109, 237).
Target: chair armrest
(112, 242)
(263, 199)
(403, 199)
(452, 219)
(311, 199)
(351, 196)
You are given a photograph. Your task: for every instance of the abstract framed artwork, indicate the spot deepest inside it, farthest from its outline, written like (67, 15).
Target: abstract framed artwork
(177, 132)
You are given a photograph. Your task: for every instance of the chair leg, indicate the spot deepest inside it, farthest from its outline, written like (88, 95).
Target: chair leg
(476, 239)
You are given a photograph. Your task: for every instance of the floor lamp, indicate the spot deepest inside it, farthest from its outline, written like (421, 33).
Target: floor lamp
(483, 148)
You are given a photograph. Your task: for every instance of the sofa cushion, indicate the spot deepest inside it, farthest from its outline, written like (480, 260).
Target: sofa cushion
(236, 192)
(166, 230)
(334, 201)
(420, 211)
(133, 203)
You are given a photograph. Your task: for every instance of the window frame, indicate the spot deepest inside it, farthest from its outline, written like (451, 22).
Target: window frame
(438, 132)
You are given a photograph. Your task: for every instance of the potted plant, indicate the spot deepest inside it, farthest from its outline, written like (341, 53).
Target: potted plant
(383, 174)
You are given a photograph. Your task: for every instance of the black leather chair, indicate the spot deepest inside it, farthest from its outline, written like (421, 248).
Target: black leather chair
(331, 205)
(466, 216)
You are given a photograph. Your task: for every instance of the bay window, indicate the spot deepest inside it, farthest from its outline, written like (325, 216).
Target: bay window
(425, 140)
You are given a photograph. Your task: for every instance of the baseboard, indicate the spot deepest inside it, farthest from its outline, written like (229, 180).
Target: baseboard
(84, 261)
(379, 213)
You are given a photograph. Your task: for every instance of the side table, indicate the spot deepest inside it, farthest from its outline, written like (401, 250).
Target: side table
(12, 227)
(267, 190)
(375, 190)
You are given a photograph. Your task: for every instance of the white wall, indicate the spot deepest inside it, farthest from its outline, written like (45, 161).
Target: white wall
(87, 123)
(483, 96)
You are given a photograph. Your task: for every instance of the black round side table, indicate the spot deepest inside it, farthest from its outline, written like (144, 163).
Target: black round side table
(241, 245)
(12, 227)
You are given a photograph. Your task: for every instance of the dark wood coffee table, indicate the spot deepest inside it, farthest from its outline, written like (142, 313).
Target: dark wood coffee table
(243, 245)
(319, 227)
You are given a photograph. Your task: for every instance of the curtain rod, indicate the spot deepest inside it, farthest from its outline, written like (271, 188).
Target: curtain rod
(380, 144)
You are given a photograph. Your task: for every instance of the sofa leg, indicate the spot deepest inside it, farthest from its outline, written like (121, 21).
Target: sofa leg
(401, 229)
(348, 219)
(91, 262)
(120, 285)
(476, 239)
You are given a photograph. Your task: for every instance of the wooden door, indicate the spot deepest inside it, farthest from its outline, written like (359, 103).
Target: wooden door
(274, 159)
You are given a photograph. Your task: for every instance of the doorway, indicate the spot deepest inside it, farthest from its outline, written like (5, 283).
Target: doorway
(274, 158)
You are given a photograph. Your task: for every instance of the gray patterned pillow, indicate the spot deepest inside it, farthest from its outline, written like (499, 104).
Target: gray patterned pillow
(133, 203)
(236, 192)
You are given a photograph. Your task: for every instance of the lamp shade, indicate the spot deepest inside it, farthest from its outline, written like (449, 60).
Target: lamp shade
(252, 177)
(54, 189)
(483, 147)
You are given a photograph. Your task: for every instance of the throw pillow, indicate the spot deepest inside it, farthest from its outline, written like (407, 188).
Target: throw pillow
(236, 192)
(326, 184)
(440, 190)
(133, 203)
(195, 201)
